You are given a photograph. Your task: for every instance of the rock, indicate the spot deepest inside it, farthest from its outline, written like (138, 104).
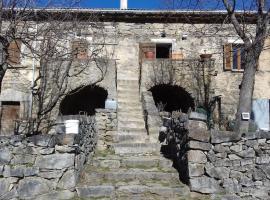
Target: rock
(31, 187)
(15, 171)
(230, 197)
(59, 195)
(65, 149)
(198, 131)
(44, 140)
(263, 159)
(68, 180)
(251, 135)
(223, 136)
(51, 174)
(236, 174)
(218, 172)
(231, 185)
(246, 181)
(196, 156)
(199, 145)
(245, 162)
(46, 151)
(266, 170)
(11, 194)
(31, 171)
(5, 156)
(234, 157)
(95, 191)
(23, 150)
(55, 161)
(249, 153)
(23, 159)
(4, 186)
(221, 149)
(1, 169)
(205, 185)
(258, 174)
(236, 148)
(110, 164)
(195, 170)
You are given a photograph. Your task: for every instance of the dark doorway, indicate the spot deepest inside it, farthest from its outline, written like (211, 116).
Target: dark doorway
(10, 112)
(85, 99)
(172, 97)
(163, 50)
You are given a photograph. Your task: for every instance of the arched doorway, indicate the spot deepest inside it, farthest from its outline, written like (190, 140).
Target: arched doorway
(172, 97)
(85, 99)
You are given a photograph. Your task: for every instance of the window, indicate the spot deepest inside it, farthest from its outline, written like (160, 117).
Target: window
(233, 57)
(155, 50)
(14, 52)
(80, 49)
(163, 50)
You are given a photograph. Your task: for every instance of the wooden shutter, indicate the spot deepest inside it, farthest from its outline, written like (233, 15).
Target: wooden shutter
(239, 58)
(14, 52)
(80, 49)
(228, 57)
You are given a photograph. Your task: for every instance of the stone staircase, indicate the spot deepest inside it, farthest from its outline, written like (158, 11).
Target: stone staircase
(133, 168)
(131, 176)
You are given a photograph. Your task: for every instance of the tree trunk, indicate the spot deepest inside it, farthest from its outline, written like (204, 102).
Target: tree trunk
(246, 93)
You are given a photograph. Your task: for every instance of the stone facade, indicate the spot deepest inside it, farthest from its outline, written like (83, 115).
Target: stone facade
(122, 39)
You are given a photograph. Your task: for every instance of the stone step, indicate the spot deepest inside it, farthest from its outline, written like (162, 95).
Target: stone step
(125, 97)
(101, 191)
(100, 175)
(127, 77)
(130, 115)
(154, 192)
(131, 122)
(153, 163)
(137, 148)
(128, 92)
(127, 129)
(129, 103)
(129, 109)
(134, 191)
(131, 138)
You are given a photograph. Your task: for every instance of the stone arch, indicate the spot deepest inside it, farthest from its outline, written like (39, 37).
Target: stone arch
(173, 97)
(83, 99)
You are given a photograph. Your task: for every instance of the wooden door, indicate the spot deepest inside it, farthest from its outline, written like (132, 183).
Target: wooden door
(10, 112)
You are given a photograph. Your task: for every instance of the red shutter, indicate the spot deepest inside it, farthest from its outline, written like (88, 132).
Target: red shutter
(228, 57)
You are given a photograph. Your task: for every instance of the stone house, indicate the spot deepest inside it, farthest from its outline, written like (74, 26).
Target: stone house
(148, 48)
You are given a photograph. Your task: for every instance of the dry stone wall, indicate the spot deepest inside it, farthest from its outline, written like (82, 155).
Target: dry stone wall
(106, 127)
(227, 167)
(44, 166)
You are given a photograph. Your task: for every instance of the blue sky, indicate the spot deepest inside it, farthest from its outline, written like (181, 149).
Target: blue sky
(144, 4)
(147, 4)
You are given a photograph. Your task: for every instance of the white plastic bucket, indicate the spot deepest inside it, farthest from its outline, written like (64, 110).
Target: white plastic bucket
(72, 126)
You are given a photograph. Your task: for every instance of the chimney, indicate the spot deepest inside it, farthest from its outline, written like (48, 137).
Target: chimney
(123, 4)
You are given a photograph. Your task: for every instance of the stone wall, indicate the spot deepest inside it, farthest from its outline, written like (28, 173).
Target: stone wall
(151, 116)
(44, 166)
(227, 167)
(106, 127)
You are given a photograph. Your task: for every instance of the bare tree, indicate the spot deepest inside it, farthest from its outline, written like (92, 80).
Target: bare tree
(56, 47)
(62, 53)
(253, 42)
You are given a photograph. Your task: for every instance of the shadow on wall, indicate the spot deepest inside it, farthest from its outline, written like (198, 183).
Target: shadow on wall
(172, 97)
(84, 99)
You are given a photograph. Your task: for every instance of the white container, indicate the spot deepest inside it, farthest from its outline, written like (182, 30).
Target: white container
(72, 126)
(110, 104)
